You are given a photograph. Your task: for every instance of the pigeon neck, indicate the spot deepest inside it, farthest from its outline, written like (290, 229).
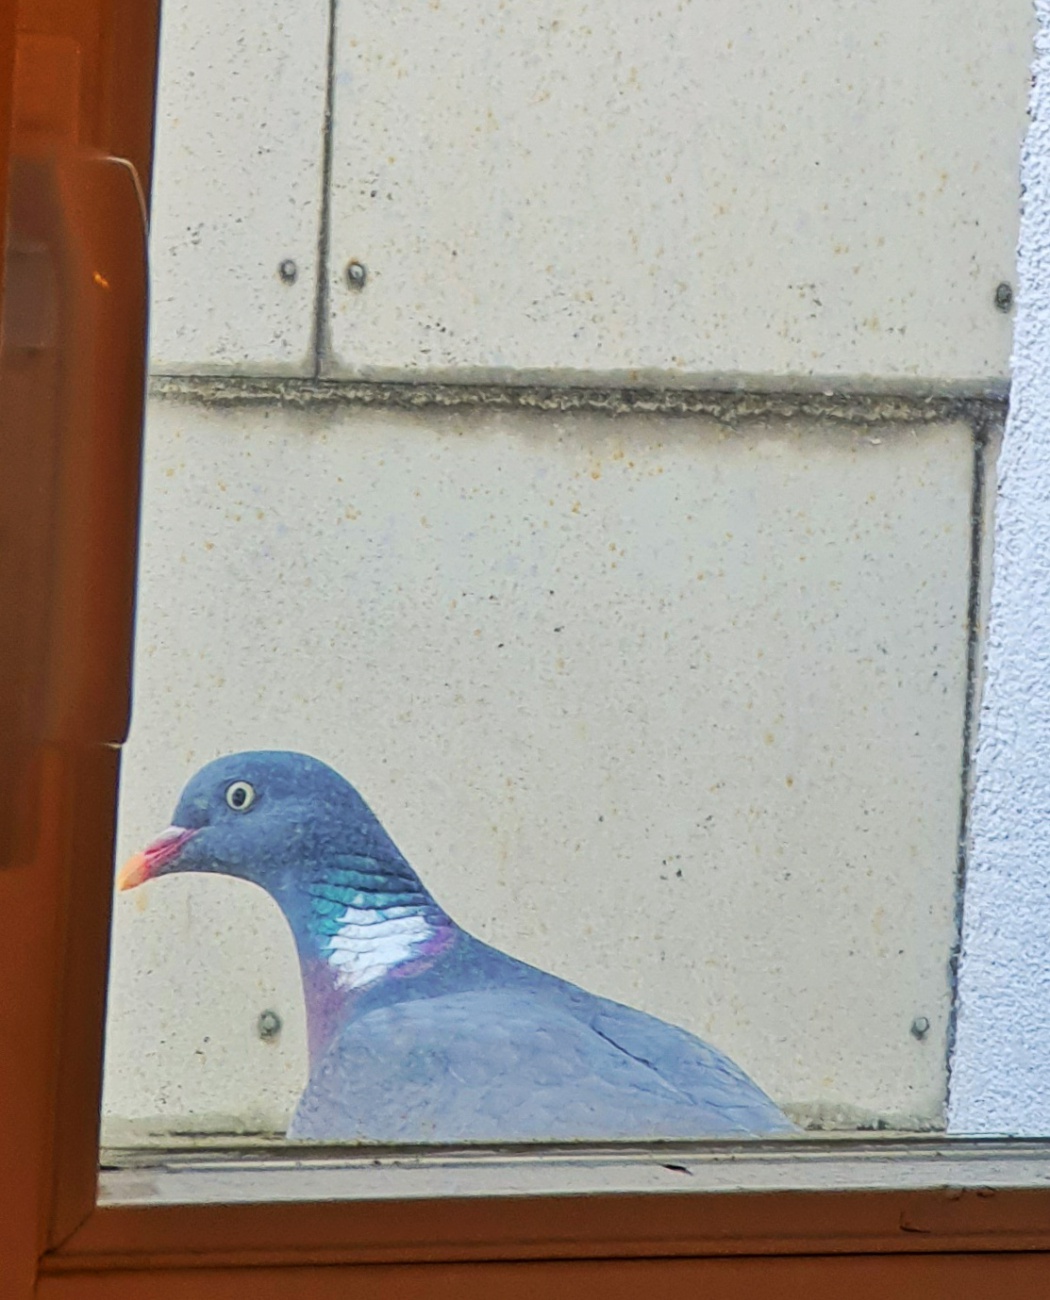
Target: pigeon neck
(357, 923)
(370, 945)
(327, 1005)
(374, 942)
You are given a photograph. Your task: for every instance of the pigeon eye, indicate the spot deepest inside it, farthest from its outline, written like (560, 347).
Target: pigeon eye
(240, 796)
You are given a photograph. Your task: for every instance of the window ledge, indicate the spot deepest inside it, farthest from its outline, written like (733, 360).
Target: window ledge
(301, 1172)
(309, 1207)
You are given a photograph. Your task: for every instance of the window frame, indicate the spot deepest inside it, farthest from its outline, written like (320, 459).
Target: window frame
(57, 1239)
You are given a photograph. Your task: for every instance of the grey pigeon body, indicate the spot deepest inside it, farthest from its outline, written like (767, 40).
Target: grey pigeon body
(419, 1032)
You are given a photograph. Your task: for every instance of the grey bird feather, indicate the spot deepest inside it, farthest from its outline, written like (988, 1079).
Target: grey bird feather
(419, 1032)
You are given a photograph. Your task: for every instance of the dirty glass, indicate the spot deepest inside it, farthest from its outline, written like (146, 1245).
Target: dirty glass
(566, 579)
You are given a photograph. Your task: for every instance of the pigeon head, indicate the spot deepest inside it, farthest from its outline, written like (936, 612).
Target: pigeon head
(292, 825)
(263, 817)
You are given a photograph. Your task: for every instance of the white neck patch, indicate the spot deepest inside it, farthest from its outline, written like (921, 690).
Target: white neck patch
(371, 942)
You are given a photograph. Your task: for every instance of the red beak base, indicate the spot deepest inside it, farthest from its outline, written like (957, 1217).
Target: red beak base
(148, 863)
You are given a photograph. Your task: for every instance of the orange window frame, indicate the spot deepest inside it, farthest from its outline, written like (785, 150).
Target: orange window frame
(59, 760)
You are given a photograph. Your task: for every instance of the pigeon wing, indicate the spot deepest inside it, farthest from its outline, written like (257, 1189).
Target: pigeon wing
(694, 1068)
(496, 1065)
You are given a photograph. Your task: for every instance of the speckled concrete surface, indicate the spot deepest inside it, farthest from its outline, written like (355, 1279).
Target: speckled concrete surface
(238, 186)
(673, 191)
(670, 709)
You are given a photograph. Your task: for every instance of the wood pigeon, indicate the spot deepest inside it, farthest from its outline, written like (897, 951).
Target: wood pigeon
(418, 1032)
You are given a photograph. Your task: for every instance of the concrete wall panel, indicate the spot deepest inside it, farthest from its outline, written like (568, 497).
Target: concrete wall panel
(676, 192)
(240, 132)
(670, 708)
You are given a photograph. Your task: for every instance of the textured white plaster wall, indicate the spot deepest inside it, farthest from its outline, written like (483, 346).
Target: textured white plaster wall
(1000, 1080)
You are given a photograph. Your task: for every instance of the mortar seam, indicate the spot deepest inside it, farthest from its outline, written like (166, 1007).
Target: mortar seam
(319, 343)
(725, 404)
(981, 428)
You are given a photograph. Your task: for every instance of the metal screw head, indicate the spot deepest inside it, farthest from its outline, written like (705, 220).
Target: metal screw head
(920, 1027)
(1004, 296)
(268, 1026)
(288, 271)
(356, 275)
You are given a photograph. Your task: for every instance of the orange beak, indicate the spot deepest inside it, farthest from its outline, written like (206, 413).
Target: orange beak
(133, 872)
(151, 860)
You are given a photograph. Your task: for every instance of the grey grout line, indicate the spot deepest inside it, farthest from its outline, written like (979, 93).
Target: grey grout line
(321, 292)
(974, 647)
(729, 405)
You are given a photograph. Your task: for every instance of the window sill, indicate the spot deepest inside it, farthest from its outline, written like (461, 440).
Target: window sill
(303, 1172)
(789, 1197)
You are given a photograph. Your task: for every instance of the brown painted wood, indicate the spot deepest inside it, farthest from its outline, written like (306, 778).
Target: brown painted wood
(451, 1229)
(18, 1153)
(70, 408)
(889, 1277)
(8, 16)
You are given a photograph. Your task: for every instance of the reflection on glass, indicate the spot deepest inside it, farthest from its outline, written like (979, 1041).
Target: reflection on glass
(661, 677)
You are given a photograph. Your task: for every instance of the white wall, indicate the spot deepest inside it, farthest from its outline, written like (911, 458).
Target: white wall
(1000, 1078)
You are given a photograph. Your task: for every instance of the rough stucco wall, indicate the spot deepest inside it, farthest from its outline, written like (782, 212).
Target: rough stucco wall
(1000, 1079)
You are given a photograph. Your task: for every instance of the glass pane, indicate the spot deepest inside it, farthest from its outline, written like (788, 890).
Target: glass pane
(567, 534)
